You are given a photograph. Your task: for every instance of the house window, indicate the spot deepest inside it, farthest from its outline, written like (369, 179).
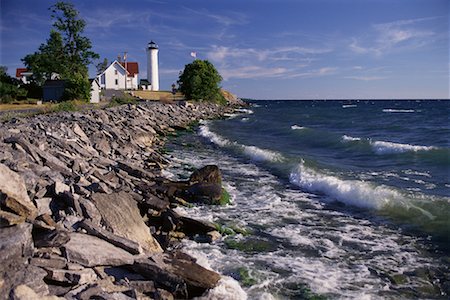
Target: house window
(117, 81)
(115, 72)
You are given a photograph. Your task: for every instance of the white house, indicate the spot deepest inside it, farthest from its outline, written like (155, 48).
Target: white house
(120, 76)
(95, 90)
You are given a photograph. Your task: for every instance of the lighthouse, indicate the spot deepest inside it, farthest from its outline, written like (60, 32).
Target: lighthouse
(152, 65)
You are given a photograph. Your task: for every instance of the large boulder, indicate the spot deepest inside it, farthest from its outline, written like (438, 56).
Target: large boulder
(207, 174)
(121, 216)
(13, 194)
(91, 251)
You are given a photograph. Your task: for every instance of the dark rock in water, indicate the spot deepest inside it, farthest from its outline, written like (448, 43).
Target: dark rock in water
(91, 251)
(208, 193)
(121, 215)
(207, 174)
(192, 226)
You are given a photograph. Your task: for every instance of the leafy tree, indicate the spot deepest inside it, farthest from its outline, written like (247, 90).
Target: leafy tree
(67, 52)
(102, 66)
(9, 87)
(200, 81)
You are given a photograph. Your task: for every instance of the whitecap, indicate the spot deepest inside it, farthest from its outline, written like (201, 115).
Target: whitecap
(391, 110)
(244, 111)
(296, 127)
(349, 105)
(227, 289)
(353, 192)
(259, 154)
(348, 138)
(215, 138)
(382, 147)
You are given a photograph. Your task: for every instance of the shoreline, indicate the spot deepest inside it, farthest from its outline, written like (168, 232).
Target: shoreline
(84, 205)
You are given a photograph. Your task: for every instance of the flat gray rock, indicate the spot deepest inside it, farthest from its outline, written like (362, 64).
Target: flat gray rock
(121, 215)
(91, 251)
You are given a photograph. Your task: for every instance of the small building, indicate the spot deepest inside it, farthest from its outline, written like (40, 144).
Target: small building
(53, 90)
(144, 84)
(120, 76)
(95, 90)
(24, 75)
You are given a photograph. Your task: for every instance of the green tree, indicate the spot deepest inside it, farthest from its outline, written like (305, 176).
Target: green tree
(9, 87)
(102, 66)
(67, 52)
(200, 81)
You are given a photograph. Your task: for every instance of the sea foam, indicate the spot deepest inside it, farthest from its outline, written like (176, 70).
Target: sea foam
(348, 138)
(382, 147)
(296, 127)
(391, 110)
(253, 152)
(352, 192)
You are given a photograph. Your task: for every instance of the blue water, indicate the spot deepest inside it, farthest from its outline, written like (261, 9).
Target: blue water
(347, 193)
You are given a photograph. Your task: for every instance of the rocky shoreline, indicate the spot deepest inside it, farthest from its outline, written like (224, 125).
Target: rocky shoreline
(86, 213)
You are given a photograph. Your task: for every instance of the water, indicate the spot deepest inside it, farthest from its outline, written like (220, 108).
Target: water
(331, 198)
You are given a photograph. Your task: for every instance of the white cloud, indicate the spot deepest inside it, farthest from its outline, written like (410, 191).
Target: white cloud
(366, 78)
(386, 37)
(252, 72)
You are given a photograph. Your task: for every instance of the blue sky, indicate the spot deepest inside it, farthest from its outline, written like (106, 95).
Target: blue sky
(303, 49)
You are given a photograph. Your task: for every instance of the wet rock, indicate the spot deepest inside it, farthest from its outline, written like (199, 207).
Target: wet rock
(208, 193)
(207, 174)
(121, 215)
(91, 251)
(13, 194)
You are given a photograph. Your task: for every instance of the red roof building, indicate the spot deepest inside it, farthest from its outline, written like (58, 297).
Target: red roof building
(20, 71)
(132, 68)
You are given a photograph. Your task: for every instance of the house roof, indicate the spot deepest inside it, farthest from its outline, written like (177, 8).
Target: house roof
(19, 71)
(132, 68)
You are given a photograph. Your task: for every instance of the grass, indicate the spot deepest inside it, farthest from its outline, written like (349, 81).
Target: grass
(158, 96)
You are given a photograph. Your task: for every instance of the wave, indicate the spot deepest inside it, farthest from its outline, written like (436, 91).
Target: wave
(253, 152)
(382, 147)
(350, 138)
(296, 127)
(430, 213)
(353, 192)
(349, 105)
(391, 110)
(244, 111)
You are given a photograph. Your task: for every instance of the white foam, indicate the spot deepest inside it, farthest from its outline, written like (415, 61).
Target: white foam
(259, 154)
(244, 111)
(382, 147)
(350, 138)
(296, 127)
(255, 153)
(215, 138)
(349, 105)
(227, 289)
(392, 110)
(353, 192)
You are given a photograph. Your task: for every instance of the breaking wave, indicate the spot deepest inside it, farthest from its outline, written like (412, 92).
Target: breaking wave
(382, 147)
(296, 127)
(253, 152)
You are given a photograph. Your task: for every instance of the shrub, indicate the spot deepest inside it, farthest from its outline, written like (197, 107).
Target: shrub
(200, 81)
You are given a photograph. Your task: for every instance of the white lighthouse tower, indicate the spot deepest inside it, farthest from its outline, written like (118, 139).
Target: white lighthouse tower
(152, 66)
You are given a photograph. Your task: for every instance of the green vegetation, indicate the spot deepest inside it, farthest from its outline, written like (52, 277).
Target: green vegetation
(250, 245)
(9, 87)
(200, 82)
(65, 106)
(66, 53)
(126, 99)
(225, 198)
(245, 278)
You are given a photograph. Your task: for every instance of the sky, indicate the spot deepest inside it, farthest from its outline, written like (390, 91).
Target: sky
(266, 49)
